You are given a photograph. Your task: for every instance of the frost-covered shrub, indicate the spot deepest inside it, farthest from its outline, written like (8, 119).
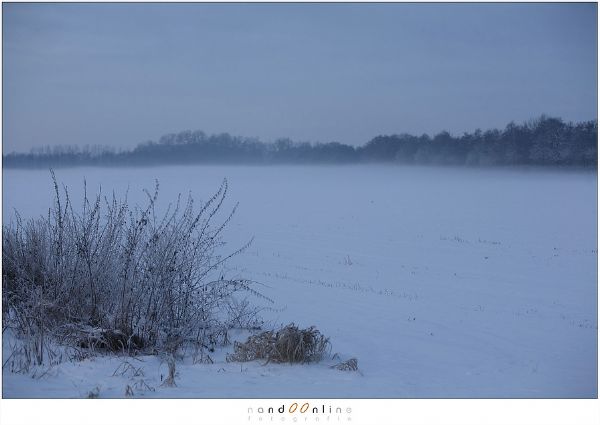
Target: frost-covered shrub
(120, 279)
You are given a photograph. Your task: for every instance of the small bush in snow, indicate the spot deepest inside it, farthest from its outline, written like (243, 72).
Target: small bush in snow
(289, 344)
(120, 279)
(348, 365)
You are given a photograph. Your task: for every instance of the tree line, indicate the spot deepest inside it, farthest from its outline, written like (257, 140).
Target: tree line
(544, 141)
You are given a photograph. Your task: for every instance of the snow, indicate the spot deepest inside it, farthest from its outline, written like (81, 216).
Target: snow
(442, 282)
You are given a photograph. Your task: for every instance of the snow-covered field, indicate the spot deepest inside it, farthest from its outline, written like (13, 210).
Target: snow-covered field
(442, 282)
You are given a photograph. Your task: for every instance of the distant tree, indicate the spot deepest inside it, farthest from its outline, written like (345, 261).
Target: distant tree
(547, 144)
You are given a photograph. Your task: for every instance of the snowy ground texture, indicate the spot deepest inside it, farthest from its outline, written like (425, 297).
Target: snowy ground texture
(441, 282)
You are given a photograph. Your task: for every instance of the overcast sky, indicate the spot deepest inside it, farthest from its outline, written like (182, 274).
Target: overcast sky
(121, 74)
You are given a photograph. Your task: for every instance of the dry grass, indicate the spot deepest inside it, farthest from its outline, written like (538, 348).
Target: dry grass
(348, 365)
(287, 345)
(170, 380)
(94, 393)
(142, 386)
(129, 391)
(126, 368)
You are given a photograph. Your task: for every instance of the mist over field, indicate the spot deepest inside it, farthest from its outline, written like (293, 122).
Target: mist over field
(542, 141)
(442, 282)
